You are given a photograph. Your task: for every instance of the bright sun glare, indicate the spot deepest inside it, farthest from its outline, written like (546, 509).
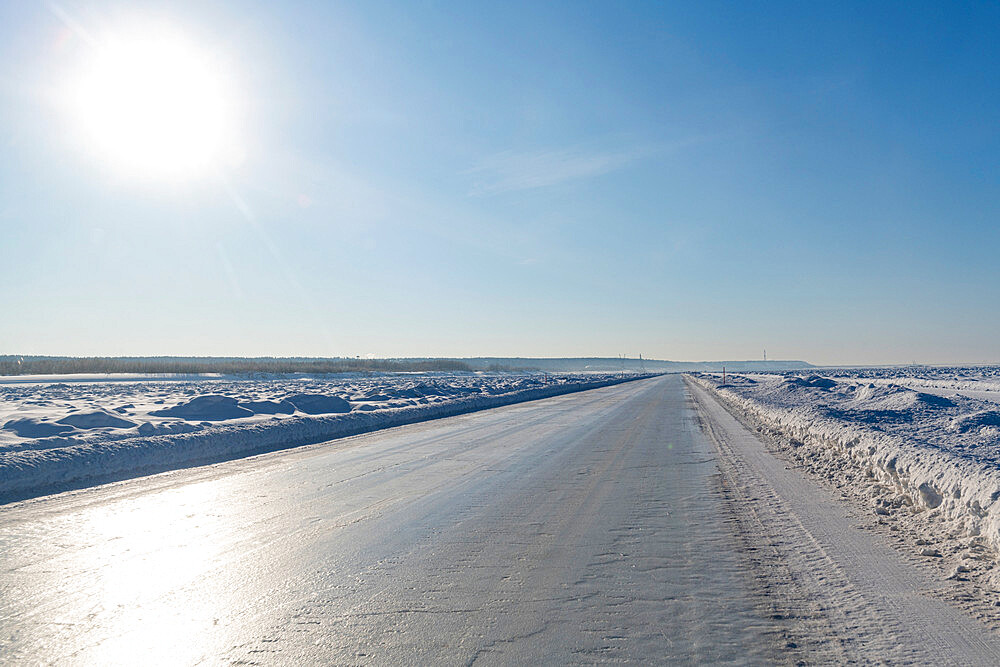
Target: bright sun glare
(154, 105)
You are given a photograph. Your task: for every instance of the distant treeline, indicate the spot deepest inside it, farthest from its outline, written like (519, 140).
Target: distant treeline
(29, 365)
(630, 364)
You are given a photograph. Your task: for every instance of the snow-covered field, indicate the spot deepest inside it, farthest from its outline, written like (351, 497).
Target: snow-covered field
(61, 433)
(918, 441)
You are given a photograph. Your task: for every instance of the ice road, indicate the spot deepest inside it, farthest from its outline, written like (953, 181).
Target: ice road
(585, 528)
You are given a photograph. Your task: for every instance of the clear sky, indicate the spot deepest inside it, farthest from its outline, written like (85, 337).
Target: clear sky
(685, 180)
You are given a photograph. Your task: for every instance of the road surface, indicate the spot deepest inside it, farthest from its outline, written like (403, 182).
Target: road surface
(594, 527)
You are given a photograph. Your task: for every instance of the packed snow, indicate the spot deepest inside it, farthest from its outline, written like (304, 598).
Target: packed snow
(925, 441)
(62, 434)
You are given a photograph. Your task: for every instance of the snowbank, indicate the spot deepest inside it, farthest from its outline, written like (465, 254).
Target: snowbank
(939, 456)
(34, 467)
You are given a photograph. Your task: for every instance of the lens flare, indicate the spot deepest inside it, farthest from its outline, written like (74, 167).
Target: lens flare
(154, 105)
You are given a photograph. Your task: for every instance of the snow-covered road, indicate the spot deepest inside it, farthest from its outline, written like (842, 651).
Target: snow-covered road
(850, 593)
(584, 528)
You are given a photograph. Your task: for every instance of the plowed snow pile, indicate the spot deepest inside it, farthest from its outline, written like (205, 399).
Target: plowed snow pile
(56, 435)
(924, 445)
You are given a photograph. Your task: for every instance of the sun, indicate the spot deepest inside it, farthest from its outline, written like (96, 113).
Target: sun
(154, 104)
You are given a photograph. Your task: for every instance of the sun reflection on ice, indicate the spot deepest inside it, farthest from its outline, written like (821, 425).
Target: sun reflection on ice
(158, 594)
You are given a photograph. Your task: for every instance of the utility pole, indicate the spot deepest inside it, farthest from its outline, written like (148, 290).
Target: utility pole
(723, 376)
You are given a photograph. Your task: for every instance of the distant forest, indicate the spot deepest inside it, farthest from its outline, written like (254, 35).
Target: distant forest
(30, 365)
(36, 365)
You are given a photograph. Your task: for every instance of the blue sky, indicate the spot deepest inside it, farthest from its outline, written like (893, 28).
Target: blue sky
(682, 180)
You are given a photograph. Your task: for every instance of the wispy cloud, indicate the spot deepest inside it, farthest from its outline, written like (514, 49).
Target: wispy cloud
(511, 171)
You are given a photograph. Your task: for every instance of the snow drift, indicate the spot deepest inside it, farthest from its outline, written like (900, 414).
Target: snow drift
(192, 423)
(935, 454)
